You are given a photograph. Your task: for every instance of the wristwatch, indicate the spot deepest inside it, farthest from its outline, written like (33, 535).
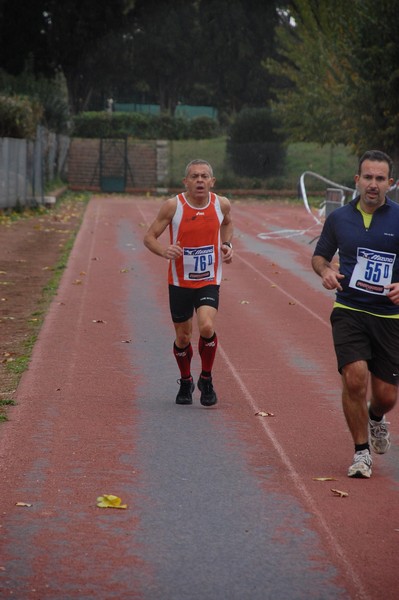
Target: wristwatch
(229, 244)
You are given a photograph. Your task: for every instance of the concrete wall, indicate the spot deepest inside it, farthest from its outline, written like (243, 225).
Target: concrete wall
(147, 164)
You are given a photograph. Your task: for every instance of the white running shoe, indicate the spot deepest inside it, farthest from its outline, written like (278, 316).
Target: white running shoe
(362, 463)
(379, 436)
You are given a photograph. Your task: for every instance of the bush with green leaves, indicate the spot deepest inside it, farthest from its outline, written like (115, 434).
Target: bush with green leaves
(50, 96)
(255, 146)
(19, 116)
(202, 128)
(141, 126)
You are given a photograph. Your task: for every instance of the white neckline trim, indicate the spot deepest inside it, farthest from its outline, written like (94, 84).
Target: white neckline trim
(198, 207)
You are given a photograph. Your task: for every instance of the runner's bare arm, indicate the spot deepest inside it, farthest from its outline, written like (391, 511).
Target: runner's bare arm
(330, 277)
(157, 228)
(226, 229)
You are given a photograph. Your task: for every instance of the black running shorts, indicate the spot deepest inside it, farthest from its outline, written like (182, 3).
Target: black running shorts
(183, 301)
(360, 336)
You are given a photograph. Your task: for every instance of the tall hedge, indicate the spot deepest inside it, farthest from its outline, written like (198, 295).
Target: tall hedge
(255, 147)
(142, 126)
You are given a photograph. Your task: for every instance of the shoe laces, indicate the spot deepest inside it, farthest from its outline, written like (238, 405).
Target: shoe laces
(185, 383)
(363, 456)
(206, 383)
(379, 428)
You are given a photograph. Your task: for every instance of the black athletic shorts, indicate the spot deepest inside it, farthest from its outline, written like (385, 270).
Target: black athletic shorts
(183, 301)
(361, 336)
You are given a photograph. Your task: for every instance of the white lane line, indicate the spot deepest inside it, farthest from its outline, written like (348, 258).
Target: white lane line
(303, 491)
(336, 547)
(298, 302)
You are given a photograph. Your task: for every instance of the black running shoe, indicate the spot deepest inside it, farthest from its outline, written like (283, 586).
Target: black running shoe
(185, 394)
(208, 396)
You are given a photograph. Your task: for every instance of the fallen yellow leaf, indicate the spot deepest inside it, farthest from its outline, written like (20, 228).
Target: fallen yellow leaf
(324, 479)
(244, 302)
(264, 414)
(339, 493)
(110, 501)
(22, 504)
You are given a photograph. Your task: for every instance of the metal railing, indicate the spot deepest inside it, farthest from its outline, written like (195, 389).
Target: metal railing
(321, 209)
(347, 193)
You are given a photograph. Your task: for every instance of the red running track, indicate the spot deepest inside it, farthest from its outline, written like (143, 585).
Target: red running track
(221, 503)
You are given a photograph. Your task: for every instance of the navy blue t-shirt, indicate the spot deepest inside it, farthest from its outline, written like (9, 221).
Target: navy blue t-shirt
(369, 258)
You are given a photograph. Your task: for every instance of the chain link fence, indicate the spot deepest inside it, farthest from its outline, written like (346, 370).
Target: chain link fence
(26, 167)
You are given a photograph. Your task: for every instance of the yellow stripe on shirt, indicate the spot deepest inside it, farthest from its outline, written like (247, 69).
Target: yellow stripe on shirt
(339, 305)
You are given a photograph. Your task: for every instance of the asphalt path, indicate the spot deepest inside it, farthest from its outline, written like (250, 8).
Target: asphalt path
(221, 503)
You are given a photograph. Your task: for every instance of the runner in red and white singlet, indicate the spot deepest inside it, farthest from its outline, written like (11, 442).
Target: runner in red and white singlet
(197, 231)
(200, 232)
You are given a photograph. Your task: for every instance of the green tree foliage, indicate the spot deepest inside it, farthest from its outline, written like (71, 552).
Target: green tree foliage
(189, 51)
(59, 36)
(338, 71)
(372, 101)
(165, 44)
(205, 52)
(235, 39)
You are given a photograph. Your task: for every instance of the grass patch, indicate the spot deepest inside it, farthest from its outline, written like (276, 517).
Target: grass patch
(17, 366)
(183, 151)
(4, 404)
(333, 162)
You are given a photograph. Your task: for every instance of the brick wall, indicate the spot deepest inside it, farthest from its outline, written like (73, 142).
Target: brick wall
(147, 164)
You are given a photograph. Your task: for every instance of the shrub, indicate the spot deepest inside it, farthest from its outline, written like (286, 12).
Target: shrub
(49, 96)
(19, 116)
(255, 148)
(203, 128)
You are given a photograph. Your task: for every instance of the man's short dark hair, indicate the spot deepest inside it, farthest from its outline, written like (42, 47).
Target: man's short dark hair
(199, 161)
(376, 155)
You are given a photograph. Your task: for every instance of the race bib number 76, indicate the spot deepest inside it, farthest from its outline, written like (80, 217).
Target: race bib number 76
(199, 262)
(373, 271)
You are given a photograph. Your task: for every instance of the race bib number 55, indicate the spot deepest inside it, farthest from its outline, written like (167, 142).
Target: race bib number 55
(199, 263)
(373, 271)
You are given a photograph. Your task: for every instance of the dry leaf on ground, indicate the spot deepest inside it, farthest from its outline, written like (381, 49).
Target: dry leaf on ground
(110, 501)
(339, 493)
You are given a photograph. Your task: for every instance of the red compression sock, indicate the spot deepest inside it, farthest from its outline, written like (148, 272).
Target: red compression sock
(207, 350)
(183, 358)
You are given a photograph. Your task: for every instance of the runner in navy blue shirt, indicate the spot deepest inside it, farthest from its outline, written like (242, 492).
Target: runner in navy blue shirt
(365, 315)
